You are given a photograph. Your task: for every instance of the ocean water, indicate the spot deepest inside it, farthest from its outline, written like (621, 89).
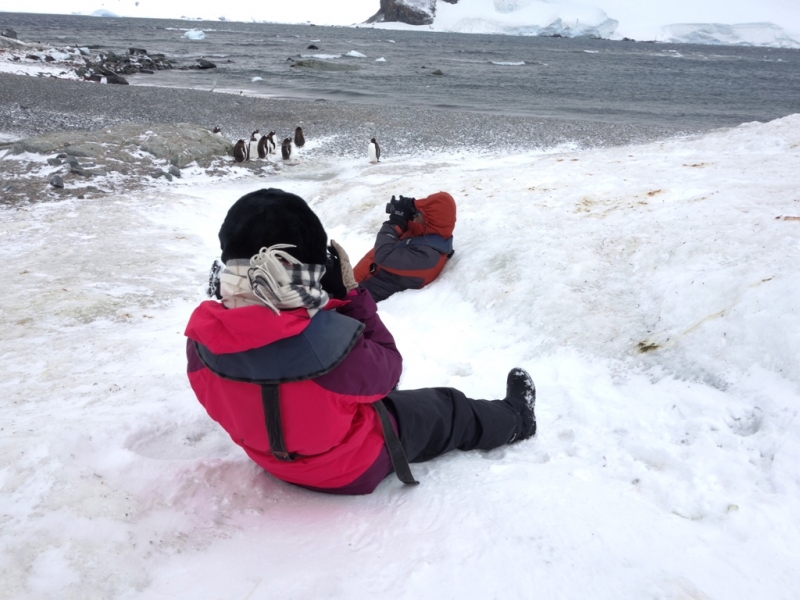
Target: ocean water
(575, 79)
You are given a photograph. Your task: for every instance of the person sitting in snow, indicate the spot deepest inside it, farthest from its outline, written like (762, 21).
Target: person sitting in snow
(293, 361)
(411, 247)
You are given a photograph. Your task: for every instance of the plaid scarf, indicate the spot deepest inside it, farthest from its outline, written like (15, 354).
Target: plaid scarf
(272, 278)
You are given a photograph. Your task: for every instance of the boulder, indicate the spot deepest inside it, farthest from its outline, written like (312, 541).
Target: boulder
(116, 79)
(9, 33)
(202, 63)
(180, 144)
(57, 182)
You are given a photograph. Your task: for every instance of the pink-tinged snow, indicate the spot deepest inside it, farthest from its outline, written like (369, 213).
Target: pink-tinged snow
(653, 293)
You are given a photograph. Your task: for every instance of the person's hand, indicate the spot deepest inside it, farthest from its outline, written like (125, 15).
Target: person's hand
(338, 279)
(401, 210)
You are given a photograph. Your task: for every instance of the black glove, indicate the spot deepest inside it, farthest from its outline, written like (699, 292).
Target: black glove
(338, 278)
(400, 210)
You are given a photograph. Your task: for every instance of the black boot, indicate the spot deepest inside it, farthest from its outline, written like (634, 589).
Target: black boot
(521, 395)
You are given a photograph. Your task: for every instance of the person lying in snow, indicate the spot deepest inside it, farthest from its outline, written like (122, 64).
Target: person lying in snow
(411, 247)
(297, 367)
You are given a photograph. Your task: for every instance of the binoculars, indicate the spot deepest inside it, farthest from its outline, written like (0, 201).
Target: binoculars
(401, 203)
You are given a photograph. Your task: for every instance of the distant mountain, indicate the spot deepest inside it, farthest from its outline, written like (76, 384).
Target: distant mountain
(748, 22)
(411, 12)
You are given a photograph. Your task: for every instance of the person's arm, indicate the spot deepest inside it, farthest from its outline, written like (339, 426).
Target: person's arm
(395, 255)
(373, 367)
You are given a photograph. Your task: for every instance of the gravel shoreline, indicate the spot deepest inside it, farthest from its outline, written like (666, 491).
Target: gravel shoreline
(31, 106)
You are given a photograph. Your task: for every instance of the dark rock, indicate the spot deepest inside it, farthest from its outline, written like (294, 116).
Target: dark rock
(312, 47)
(116, 79)
(9, 33)
(175, 171)
(57, 182)
(73, 162)
(627, 39)
(322, 65)
(48, 58)
(33, 57)
(137, 51)
(80, 171)
(394, 10)
(62, 155)
(148, 71)
(202, 63)
(54, 162)
(161, 173)
(436, 72)
(179, 144)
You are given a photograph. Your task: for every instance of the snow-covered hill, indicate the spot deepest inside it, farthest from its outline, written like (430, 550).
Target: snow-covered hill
(651, 291)
(767, 23)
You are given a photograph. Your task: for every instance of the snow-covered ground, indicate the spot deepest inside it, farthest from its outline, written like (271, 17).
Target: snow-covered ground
(651, 291)
(750, 22)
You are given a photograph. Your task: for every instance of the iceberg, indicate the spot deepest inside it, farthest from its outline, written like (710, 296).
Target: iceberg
(195, 34)
(102, 12)
(356, 54)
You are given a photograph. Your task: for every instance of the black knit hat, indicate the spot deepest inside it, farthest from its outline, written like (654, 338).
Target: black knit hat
(269, 217)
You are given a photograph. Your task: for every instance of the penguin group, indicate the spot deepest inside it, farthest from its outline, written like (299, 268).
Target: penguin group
(261, 146)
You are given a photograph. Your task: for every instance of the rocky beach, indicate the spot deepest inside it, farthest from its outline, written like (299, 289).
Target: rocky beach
(31, 107)
(61, 116)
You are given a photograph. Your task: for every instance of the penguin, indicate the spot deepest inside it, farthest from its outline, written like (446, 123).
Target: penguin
(374, 151)
(240, 151)
(262, 147)
(252, 150)
(271, 142)
(299, 140)
(217, 130)
(286, 148)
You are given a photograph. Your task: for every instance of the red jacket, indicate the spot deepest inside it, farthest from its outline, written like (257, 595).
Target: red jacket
(327, 419)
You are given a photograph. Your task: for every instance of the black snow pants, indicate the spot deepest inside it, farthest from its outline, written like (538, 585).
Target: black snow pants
(433, 421)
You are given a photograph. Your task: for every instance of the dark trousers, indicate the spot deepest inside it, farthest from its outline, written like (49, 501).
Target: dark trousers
(433, 421)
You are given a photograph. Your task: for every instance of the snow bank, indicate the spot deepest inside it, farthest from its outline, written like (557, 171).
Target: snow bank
(650, 290)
